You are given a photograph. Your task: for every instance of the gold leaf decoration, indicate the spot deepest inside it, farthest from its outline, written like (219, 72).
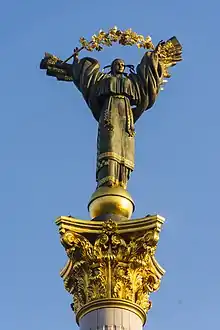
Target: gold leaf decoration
(115, 35)
(111, 266)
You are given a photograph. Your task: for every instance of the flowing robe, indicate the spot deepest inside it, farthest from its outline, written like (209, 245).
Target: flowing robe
(117, 101)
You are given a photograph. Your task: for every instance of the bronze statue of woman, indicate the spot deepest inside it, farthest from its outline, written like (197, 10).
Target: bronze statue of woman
(117, 100)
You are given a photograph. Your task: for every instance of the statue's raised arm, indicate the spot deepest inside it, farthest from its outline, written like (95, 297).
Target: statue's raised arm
(84, 73)
(152, 72)
(86, 76)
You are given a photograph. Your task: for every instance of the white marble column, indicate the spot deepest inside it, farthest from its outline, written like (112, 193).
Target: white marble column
(111, 319)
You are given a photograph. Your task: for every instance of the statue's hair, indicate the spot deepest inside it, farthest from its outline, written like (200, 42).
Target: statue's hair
(130, 66)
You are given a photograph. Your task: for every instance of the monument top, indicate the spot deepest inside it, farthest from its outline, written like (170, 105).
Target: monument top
(111, 268)
(117, 98)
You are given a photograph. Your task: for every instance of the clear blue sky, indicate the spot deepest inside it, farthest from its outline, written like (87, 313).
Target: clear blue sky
(48, 145)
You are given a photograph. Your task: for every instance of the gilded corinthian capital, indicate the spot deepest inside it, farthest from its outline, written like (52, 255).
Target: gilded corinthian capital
(111, 261)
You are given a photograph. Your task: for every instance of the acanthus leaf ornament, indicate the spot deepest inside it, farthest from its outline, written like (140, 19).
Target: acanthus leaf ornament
(112, 265)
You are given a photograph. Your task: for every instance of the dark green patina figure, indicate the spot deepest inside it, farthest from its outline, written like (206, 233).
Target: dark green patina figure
(117, 100)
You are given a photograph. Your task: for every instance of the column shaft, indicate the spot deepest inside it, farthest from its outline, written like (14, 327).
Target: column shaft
(111, 319)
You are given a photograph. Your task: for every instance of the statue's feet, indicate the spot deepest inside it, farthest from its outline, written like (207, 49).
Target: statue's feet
(109, 184)
(123, 185)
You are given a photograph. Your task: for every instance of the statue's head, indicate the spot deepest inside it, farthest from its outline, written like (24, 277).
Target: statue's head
(117, 66)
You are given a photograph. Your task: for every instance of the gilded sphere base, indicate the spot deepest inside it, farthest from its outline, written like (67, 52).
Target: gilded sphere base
(112, 201)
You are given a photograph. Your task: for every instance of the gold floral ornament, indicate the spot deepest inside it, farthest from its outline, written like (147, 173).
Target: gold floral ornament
(114, 35)
(109, 227)
(124, 38)
(111, 266)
